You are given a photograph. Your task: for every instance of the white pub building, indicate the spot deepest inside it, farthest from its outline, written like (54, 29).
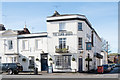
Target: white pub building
(65, 46)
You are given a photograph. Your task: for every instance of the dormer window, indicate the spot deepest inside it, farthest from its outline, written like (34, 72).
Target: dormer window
(79, 26)
(10, 44)
(62, 27)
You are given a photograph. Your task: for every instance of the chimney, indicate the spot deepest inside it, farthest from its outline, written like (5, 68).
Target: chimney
(2, 27)
(26, 31)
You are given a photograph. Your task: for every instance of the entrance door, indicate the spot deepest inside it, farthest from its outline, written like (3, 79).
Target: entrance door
(80, 65)
(44, 62)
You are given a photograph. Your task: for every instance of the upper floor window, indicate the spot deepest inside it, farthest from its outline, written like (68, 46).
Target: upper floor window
(79, 43)
(10, 44)
(25, 45)
(79, 26)
(38, 44)
(62, 43)
(61, 26)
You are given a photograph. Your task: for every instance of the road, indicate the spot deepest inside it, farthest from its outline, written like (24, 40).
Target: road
(113, 74)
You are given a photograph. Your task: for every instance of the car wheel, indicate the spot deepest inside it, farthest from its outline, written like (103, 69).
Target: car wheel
(10, 71)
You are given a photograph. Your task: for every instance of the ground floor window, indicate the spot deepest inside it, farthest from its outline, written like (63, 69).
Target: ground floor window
(11, 59)
(63, 62)
(31, 62)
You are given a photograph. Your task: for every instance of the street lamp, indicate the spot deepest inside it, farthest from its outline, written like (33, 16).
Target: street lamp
(88, 47)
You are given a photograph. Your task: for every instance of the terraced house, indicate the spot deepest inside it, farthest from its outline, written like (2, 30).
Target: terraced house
(69, 43)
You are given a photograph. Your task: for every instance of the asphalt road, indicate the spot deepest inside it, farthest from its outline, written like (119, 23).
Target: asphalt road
(113, 75)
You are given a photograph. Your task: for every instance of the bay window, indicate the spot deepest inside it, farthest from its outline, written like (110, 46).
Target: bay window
(63, 62)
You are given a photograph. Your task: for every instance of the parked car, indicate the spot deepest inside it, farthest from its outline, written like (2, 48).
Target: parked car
(111, 66)
(117, 65)
(12, 68)
(106, 68)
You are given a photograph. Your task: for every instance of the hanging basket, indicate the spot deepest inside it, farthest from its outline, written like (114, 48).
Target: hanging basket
(50, 59)
(73, 59)
(24, 59)
(37, 59)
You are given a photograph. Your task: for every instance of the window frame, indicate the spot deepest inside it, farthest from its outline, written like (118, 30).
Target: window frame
(80, 28)
(36, 44)
(23, 45)
(9, 45)
(62, 43)
(80, 43)
(61, 63)
(62, 26)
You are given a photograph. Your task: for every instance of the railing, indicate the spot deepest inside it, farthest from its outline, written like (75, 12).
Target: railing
(61, 50)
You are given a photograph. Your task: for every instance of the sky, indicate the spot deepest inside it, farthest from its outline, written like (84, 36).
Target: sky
(102, 15)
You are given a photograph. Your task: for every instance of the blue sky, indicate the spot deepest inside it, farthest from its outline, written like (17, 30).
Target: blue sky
(102, 15)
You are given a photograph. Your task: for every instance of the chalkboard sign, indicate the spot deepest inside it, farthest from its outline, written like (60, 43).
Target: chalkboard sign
(88, 46)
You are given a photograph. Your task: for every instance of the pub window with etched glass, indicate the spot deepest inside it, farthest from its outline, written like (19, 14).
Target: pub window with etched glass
(79, 26)
(62, 43)
(10, 44)
(80, 44)
(62, 62)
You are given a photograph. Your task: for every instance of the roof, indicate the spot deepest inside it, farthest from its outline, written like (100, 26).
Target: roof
(56, 14)
(83, 17)
(24, 31)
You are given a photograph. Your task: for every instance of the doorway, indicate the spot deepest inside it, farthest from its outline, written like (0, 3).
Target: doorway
(80, 65)
(44, 62)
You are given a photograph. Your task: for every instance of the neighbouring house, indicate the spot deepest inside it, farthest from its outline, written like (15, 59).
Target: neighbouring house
(69, 43)
(113, 58)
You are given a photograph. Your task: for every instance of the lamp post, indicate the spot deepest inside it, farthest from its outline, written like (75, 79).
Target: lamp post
(88, 47)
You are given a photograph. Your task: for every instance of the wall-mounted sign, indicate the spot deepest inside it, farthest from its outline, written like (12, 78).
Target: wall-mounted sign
(88, 46)
(63, 33)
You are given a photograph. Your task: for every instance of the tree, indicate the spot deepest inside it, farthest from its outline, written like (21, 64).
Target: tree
(105, 46)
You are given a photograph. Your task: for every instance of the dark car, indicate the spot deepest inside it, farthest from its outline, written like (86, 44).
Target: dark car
(12, 68)
(117, 65)
(112, 66)
(106, 68)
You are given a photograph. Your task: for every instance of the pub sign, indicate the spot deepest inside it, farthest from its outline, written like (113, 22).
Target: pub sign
(88, 46)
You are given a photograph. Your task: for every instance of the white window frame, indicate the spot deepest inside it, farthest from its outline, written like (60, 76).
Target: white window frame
(62, 26)
(36, 44)
(63, 62)
(9, 45)
(23, 45)
(62, 43)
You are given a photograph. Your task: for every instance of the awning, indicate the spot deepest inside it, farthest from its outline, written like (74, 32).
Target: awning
(98, 56)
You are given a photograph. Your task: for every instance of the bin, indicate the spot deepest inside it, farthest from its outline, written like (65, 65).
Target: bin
(100, 69)
(35, 70)
(50, 69)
